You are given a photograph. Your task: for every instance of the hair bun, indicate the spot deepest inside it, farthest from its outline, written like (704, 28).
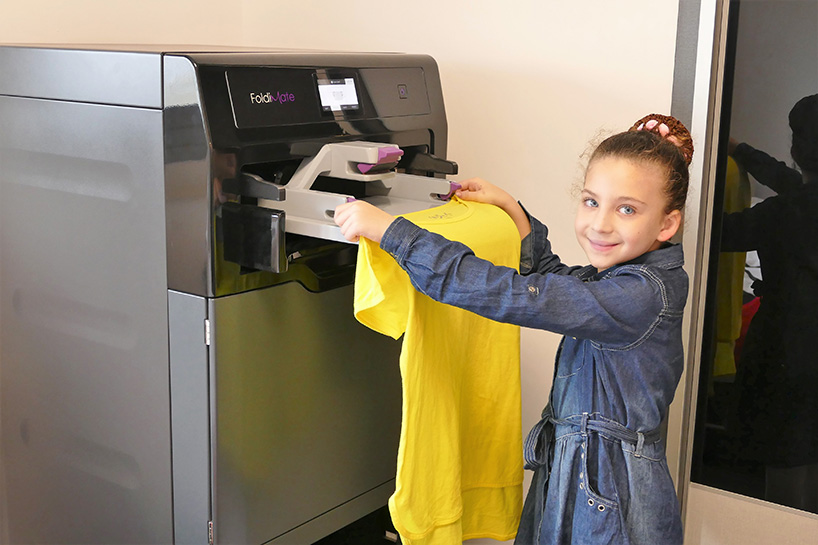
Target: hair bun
(678, 134)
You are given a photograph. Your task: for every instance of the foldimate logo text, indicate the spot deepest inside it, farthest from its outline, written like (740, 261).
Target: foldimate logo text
(270, 98)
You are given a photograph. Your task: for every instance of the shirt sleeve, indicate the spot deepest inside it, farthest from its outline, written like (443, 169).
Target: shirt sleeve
(381, 291)
(616, 311)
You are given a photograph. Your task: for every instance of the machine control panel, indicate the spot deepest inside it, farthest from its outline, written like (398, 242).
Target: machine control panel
(270, 96)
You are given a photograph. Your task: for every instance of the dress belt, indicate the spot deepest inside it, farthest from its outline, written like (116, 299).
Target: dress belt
(538, 443)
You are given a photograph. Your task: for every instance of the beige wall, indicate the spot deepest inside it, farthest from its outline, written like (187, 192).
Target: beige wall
(527, 83)
(716, 517)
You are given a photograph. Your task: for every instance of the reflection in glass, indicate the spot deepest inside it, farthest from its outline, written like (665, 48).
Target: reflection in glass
(757, 421)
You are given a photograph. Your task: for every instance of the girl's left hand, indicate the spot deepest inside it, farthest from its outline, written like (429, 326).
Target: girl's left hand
(477, 189)
(361, 219)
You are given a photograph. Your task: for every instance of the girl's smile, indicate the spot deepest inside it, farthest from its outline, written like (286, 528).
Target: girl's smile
(621, 212)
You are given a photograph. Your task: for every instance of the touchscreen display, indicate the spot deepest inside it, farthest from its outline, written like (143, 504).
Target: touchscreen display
(338, 94)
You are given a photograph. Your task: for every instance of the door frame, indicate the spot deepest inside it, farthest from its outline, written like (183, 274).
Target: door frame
(710, 515)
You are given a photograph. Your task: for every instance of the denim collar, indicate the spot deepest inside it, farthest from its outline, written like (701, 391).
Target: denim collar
(669, 256)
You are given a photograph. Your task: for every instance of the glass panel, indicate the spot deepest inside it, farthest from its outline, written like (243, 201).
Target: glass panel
(757, 418)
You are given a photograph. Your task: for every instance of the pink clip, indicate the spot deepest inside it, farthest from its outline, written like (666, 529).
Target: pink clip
(453, 187)
(388, 157)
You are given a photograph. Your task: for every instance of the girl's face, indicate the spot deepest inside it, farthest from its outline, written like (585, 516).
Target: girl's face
(622, 211)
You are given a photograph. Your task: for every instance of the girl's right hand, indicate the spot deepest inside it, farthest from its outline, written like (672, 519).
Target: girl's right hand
(361, 219)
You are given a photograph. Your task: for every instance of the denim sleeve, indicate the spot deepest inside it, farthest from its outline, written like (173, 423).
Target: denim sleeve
(615, 311)
(536, 255)
(767, 170)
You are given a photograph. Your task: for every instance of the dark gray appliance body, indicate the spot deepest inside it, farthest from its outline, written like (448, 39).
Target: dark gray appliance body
(152, 391)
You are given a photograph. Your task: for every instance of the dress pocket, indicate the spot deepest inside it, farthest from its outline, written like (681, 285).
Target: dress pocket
(596, 476)
(597, 517)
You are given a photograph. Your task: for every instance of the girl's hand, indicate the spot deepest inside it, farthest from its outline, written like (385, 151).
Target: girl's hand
(663, 130)
(477, 189)
(361, 219)
(731, 146)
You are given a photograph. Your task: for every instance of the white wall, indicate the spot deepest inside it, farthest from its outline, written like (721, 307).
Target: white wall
(528, 83)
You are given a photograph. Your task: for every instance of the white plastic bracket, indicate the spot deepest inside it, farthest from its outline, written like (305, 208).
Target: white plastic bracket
(310, 212)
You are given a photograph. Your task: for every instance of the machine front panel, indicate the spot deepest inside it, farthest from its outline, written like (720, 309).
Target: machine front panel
(307, 410)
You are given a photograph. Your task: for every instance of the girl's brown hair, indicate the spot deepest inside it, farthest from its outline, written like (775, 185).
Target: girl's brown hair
(648, 146)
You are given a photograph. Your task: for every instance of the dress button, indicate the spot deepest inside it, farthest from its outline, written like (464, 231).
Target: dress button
(581, 474)
(582, 486)
(600, 507)
(590, 502)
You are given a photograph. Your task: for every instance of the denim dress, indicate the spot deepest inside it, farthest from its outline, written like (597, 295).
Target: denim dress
(600, 472)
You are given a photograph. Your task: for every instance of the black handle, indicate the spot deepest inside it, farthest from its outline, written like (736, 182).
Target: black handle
(254, 237)
(253, 185)
(419, 162)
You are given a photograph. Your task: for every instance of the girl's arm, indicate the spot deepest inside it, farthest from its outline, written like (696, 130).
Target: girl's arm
(767, 170)
(360, 219)
(616, 311)
(536, 255)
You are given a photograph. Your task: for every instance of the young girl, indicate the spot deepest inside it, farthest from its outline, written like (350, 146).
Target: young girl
(600, 470)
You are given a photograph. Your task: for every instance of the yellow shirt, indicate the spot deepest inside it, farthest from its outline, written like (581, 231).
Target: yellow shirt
(730, 277)
(459, 473)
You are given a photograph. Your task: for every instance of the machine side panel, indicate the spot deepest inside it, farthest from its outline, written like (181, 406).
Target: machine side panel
(84, 387)
(189, 203)
(102, 77)
(307, 406)
(190, 410)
